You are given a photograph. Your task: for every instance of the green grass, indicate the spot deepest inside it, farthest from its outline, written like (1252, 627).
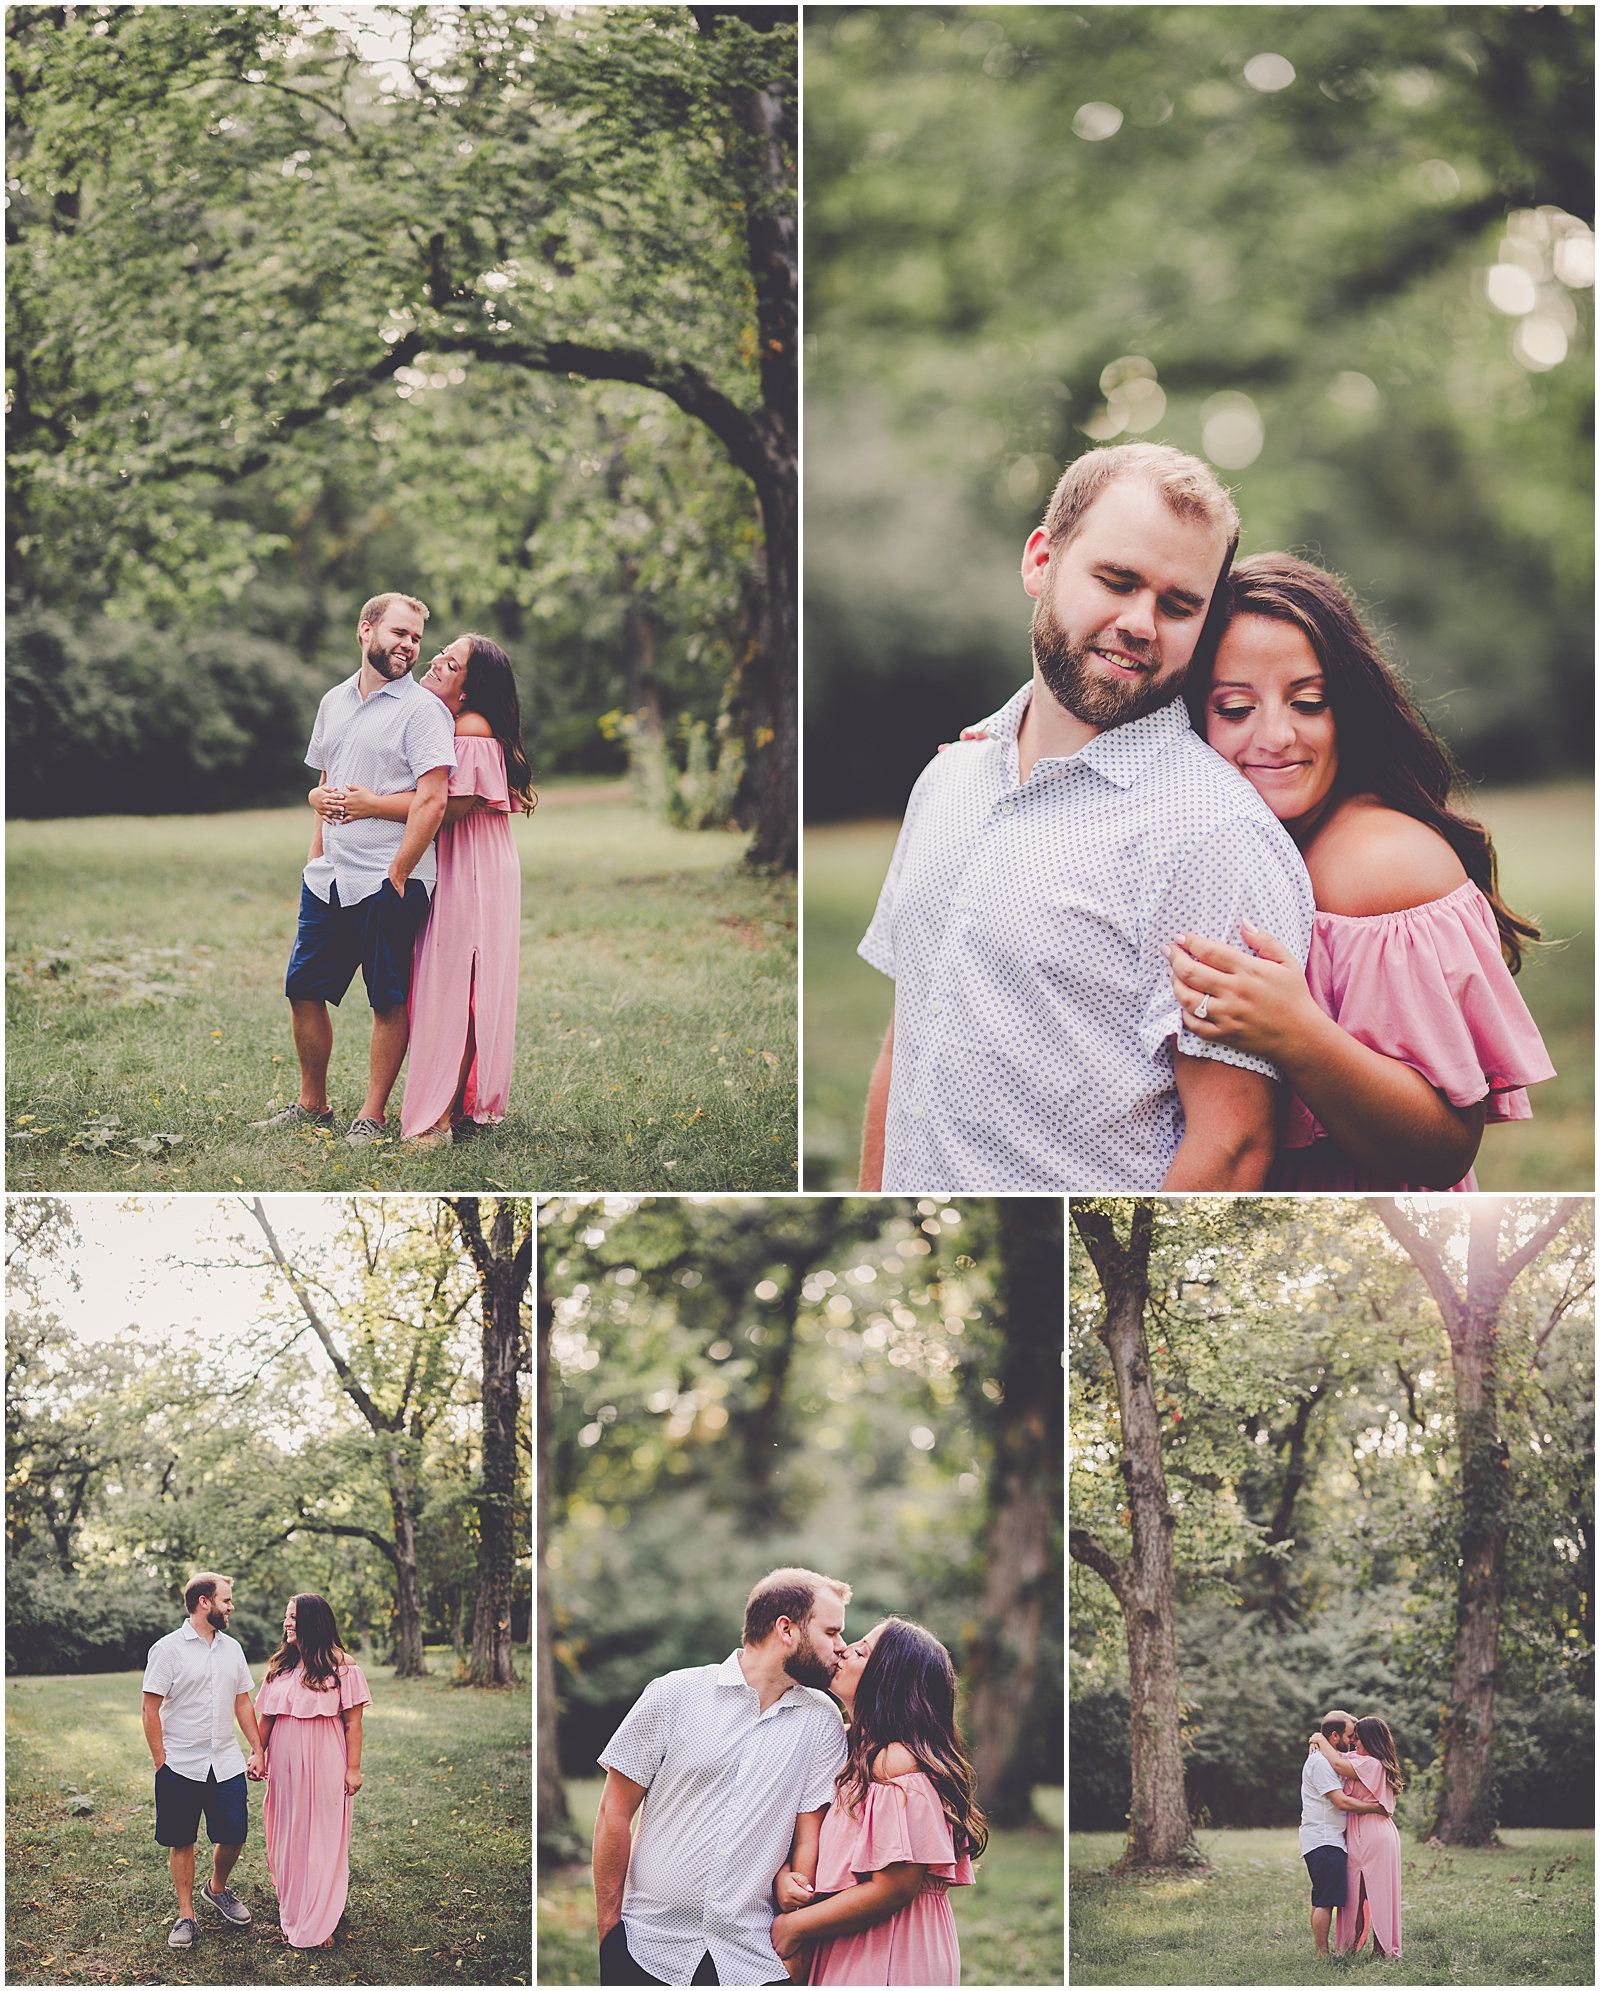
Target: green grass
(1545, 840)
(655, 1028)
(439, 1853)
(1521, 1916)
(1009, 1922)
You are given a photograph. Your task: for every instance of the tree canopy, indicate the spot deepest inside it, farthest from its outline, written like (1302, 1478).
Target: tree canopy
(481, 302)
(1344, 252)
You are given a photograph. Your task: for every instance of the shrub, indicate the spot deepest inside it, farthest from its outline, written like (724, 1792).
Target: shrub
(63, 1624)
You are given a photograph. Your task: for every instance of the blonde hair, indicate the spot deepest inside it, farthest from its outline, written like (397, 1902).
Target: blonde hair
(1185, 484)
(374, 610)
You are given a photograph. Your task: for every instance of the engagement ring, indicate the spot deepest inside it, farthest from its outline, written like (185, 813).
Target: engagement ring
(1200, 1008)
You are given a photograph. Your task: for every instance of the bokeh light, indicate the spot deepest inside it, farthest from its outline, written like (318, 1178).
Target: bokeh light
(1232, 432)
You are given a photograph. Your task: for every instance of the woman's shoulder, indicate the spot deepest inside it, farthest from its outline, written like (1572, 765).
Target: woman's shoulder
(894, 1760)
(473, 726)
(1369, 859)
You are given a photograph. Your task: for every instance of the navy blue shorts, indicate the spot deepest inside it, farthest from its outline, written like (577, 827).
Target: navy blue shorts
(376, 935)
(180, 1801)
(1326, 1865)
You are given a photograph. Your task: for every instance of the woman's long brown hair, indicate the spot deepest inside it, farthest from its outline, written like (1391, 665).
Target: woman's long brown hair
(315, 1645)
(907, 1694)
(492, 693)
(1386, 748)
(1373, 1732)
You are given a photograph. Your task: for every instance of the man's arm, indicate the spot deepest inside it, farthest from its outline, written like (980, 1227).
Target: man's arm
(422, 824)
(872, 1132)
(316, 831)
(613, 1842)
(245, 1715)
(150, 1715)
(1230, 1125)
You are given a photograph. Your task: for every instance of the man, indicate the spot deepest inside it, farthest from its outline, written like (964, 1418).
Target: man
(365, 890)
(196, 1686)
(730, 1756)
(1036, 1042)
(1322, 1825)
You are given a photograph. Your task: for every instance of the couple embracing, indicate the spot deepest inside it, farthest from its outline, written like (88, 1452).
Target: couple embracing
(413, 878)
(777, 1840)
(1348, 1837)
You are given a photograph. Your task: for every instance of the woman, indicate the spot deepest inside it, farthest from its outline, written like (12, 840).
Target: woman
(1372, 1842)
(463, 1005)
(1405, 1032)
(309, 1710)
(869, 1889)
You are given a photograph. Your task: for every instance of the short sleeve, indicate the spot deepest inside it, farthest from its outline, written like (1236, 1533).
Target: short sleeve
(1324, 1777)
(1429, 988)
(639, 1746)
(158, 1669)
(480, 770)
(827, 1760)
(877, 944)
(1241, 870)
(353, 1688)
(317, 752)
(243, 1682)
(899, 1821)
(430, 735)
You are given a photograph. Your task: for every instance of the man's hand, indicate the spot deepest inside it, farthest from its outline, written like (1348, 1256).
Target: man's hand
(791, 1949)
(256, 1767)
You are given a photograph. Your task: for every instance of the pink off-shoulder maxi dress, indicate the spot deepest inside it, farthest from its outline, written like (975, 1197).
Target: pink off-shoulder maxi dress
(1372, 1860)
(465, 965)
(307, 1813)
(1427, 986)
(901, 1819)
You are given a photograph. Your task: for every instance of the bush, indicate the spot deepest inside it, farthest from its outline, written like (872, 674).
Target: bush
(122, 718)
(62, 1624)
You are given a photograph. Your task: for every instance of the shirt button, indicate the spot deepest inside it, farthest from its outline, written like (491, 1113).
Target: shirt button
(936, 1007)
(962, 904)
(1008, 808)
(916, 1112)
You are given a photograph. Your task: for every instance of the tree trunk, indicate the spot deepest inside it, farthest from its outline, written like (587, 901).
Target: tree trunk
(555, 1820)
(410, 1661)
(1002, 1662)
(1472, 1320)
(503, 1268)
(1145, 1581)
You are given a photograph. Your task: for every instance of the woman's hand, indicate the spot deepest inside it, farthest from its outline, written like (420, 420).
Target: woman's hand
(359, 803)
(967, 733)
(328, 802)
(352, 1782)
(790, 1945)
(793, 1890)
(1253, 1002)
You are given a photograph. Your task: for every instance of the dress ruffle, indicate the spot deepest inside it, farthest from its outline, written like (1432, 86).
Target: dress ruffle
(288, 1694)
(480, 770)
(1430, 988)
(901, 1819)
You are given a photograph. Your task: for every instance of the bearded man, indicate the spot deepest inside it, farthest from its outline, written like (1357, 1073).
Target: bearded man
(1043, 865)
(726, 1761)
(366, 886)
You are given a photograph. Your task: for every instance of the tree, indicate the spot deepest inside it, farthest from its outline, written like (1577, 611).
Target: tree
(1024, 1504)
(409, 1298)
(605, 195)
(554, 1816)
(503, 1260)
(1472, 1311)
(1144, 1582)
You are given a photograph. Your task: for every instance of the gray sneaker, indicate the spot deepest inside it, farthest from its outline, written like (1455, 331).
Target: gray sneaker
(296, 1116)
(226, 1903)
(362, 1132)
(183, 1933)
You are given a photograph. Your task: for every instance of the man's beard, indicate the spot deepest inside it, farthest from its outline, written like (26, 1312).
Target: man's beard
(217, 1621)
(384, 663)
(1097, 701)
(808, 1669)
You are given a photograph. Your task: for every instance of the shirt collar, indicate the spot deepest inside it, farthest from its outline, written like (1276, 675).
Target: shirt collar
(187, 1630)
(731, 1674)
(396, 687)
(1121, 754)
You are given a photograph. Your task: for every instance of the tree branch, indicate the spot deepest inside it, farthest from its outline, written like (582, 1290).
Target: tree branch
(1093, 1554)
(1556, 1222)
(1423, 1253)
(341, 1368)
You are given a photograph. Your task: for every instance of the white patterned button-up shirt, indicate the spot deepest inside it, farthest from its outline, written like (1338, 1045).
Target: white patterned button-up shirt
(199, 1684)
(725, 1784)
(384, 742)
(1022, 925)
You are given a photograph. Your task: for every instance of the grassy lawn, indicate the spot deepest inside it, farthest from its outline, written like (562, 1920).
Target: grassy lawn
(1521, 1916)
(439, 1853)
(1009, 1923)
(1545, 840)
(655, 1027)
